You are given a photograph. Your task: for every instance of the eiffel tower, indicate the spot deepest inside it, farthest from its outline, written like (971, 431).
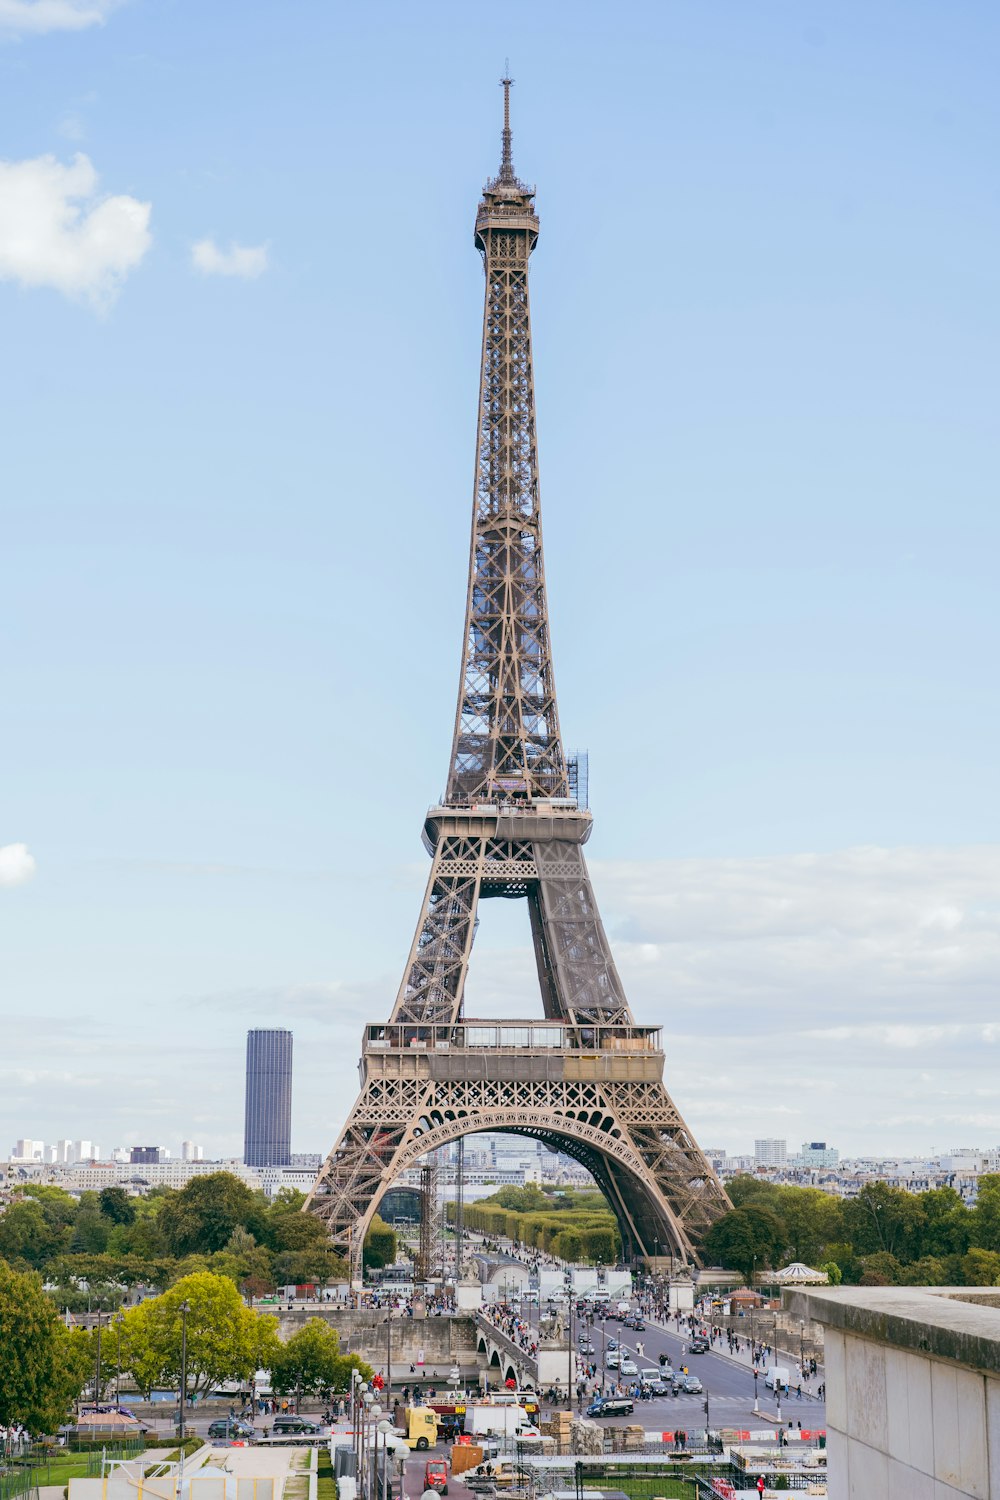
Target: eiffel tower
(586, 1080)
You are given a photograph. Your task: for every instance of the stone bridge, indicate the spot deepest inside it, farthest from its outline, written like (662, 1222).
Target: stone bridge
(505, 1360)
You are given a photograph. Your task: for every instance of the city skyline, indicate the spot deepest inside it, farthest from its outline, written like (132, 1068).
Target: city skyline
(793, 388)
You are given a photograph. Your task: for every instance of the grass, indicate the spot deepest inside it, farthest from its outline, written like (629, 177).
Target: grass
(326, 1485)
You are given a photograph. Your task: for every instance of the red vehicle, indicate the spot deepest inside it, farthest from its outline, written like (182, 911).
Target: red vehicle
(436, 1475)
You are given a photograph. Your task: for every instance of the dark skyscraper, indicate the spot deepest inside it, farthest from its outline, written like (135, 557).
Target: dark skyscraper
(267, 1131)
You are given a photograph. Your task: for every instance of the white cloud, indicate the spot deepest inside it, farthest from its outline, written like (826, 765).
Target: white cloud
(849, 996)
(247, 261)
(36, 16)
(16, 864)
(55, 231)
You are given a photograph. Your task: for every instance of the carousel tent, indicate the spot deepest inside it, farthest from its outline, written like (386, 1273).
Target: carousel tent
(798, 1274)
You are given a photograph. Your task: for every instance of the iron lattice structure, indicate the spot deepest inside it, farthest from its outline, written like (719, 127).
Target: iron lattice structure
(587, 1080)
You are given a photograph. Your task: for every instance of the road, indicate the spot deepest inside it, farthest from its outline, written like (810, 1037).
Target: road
(728, 1382)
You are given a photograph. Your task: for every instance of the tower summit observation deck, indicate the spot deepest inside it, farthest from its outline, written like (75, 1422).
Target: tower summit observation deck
(586, 1079)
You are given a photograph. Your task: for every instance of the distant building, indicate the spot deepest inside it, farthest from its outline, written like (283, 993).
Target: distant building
(267, 1133)
(770, 1152)
(818, 1154)
(191, 1152)
(84, 1151)
(144, 1156)
(28, 1151)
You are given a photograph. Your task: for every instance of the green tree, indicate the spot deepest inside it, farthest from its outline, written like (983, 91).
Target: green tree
(42, 1366)
(202, 1216)
(883, 1218)
(226, 1340)
(296, 1267)
(380, 1244)
(947, 1222)
(744, 1188)
(981, 1268)
(601, 1246)
(522, 1200)
(747, 1239)
(880, 1269)
(91, 1228)
(311, 1362)
(294, 1230)
(986, 1214)
(31, 1237)
(811, 1220)
(929, 1270)
(117, 1206)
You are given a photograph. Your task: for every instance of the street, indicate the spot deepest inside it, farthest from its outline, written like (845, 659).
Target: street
(728, 1382)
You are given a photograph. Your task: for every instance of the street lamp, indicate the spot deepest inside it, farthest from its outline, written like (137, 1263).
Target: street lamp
(119, 1320)
(367, 1401)
(185, 1308)
(384, 1427)
(97, 1372)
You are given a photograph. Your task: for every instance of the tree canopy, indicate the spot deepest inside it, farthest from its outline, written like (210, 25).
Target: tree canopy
(882, 1236)
(226, 1340)
(311, 1364)
(92, 1248)
(43, 1366)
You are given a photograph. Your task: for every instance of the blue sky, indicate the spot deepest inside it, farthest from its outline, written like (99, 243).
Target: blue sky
(234, 492)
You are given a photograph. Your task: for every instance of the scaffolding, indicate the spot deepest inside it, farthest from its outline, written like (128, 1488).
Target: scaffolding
(424, 1266)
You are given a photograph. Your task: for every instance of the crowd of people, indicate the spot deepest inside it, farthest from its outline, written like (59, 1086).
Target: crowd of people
(516, 1328)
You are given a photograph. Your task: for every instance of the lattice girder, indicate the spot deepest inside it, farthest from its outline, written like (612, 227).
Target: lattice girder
(507, 827)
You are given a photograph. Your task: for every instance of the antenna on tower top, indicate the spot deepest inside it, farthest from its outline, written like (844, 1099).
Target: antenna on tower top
(506, 158)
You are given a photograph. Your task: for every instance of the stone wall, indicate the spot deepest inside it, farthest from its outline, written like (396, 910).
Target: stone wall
(912, 1390)
(445, 1341)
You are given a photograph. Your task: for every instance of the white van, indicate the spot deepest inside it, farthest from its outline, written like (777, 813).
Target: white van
(777, 1375)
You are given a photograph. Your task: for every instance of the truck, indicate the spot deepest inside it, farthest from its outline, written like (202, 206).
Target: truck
(496, 1421)
(777, 1377)
(452, 1415)
(417, 1427)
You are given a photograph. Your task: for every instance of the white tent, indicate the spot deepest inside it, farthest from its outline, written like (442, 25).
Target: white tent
(798, 1274)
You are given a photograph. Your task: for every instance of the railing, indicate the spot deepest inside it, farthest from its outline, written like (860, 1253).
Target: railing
(516, 1036)
(513, 1350)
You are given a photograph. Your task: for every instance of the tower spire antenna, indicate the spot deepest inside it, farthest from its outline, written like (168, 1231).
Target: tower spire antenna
(506, 158)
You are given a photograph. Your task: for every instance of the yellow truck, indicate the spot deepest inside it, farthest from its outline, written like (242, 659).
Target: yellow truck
(419, 1427)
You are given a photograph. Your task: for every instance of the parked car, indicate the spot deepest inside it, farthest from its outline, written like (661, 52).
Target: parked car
(611, 1406)
(293, 1427)
(436, 1475)
(234, 1428)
